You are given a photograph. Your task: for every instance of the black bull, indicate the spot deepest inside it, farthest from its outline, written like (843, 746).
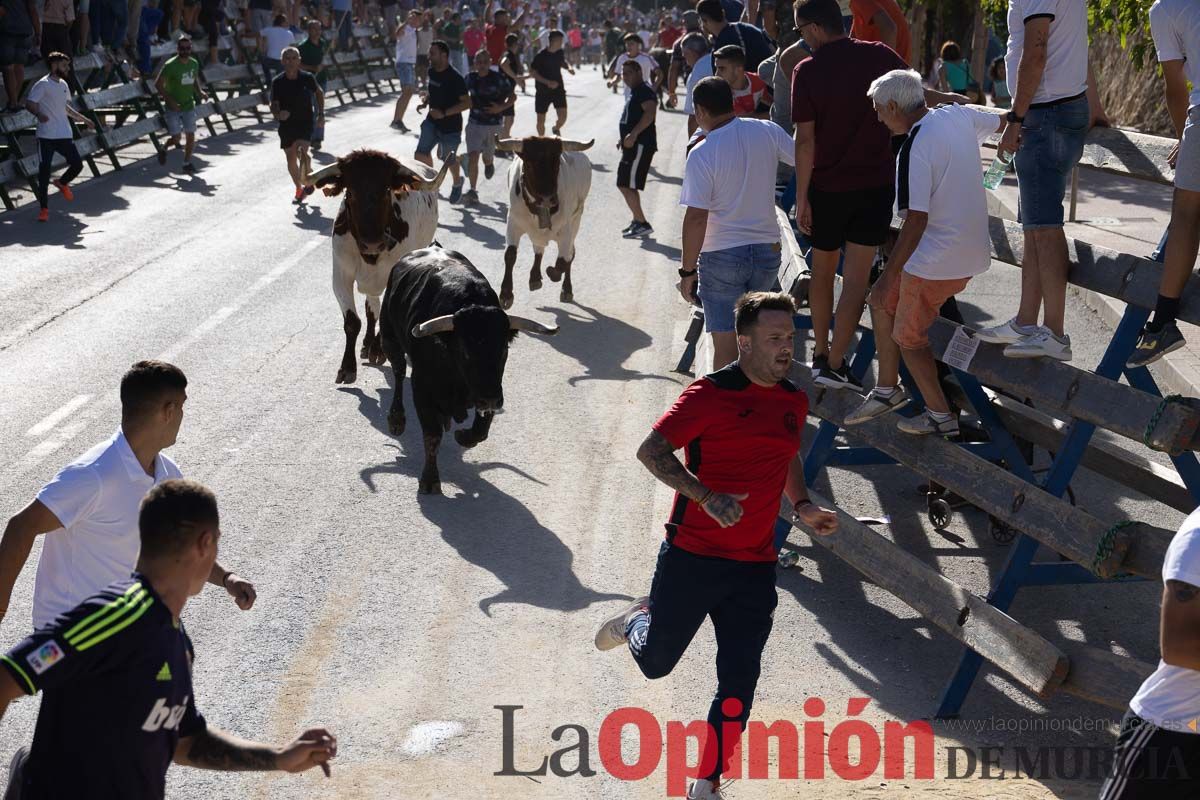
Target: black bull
(442, 314)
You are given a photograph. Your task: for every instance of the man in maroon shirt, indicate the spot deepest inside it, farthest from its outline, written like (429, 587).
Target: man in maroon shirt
(741, 427)
(845, 174)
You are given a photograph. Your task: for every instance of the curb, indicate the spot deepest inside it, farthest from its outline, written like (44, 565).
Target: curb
(1174, 372)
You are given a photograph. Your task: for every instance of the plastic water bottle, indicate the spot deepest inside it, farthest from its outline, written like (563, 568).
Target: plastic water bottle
(788, 559)
(995, 173)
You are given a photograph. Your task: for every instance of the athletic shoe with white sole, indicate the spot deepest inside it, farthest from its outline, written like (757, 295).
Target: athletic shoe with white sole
(876, 405)
(456, 191)
(1153, 345)
(704, 789)
(923, 425)
(1007, 332)
(612, 632)
(638, 229)
(839, 378)
(1042, 344)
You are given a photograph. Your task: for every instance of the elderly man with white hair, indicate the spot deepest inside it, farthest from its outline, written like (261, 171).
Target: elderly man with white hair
(942, 244)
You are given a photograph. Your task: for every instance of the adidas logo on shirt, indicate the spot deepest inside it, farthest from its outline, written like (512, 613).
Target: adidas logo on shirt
(164, 674)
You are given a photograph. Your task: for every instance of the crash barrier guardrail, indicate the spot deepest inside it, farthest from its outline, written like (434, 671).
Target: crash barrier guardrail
(126, 110)
(1018, 404)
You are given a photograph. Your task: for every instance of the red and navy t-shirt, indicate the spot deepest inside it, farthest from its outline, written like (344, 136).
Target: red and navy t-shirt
(753, 98)
(740, 439)
(116, 677)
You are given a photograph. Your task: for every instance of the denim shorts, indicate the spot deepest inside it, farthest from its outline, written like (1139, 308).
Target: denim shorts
(726, 275)
(1187, 169)
(1051, 144)
(447, 141)
(407, 73)
(180, 121)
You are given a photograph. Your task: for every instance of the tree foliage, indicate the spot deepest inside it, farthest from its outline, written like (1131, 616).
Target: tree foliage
(1129, 20)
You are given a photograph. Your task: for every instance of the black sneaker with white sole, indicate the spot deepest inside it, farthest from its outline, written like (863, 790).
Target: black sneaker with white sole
(1153, 345)
(839, 378)
(638, 229)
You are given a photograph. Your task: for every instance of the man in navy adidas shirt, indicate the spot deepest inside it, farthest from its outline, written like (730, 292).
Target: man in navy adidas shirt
(742, 427)
(117, 675)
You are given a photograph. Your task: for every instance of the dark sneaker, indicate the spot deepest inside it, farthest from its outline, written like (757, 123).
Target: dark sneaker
(838, 378)
(632, 224)
(399, 125)
(638, 229)
(308, 190)
(471, 196)
(1153, 346)
(189, 168)
(456, 192)
(819, 363)
(489, 170)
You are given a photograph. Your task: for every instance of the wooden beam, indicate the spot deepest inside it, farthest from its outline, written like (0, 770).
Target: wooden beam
(1021, 505)
(1115, 463)
(1102, 676)
(134, 130)
(1034, 662)
(121, 93)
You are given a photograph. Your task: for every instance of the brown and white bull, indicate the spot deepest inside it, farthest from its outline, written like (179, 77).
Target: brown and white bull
(389, 208)
(547, 188)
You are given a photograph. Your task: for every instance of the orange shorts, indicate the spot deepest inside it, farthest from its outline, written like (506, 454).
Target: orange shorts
(914, 303)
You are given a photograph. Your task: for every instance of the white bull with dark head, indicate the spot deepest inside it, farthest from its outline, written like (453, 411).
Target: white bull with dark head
(547, 188)
(389, 208)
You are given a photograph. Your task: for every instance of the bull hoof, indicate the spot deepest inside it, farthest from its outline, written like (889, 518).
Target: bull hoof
(554, 273)
(566, 297)
(429, 487)
(465, 439)
(375, 356)
(535, 284)
(506, 300)
(346, 375)
(396, 425)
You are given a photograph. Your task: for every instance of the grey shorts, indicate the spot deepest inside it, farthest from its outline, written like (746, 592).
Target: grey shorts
(482, 138)
(1187, 168)
(180, 121)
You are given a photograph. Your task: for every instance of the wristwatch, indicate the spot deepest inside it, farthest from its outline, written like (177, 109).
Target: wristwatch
(1011, 116)
(683, 273)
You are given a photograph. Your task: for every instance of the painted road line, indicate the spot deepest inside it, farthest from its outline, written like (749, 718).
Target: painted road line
(54, 419)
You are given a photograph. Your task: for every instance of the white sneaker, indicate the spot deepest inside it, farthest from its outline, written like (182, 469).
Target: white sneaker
(612, 632)
(704, 789)
(876, 405)
(1044, 343)
(1007, 332)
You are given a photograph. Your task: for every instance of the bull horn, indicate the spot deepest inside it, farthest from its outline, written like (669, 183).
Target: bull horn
(332, 171)
(510, 145)
(529, 326)
(436, 325)
(570, 146)
(436, 183)
(423, 174)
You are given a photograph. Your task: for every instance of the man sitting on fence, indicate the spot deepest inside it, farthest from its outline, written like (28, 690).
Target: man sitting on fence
(48, 101)
(942, 245)
(178, 83)
(1176, 29)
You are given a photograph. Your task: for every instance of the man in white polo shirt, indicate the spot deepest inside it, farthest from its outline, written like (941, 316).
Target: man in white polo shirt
(1157, 754)
(942, 244)
(90, 509)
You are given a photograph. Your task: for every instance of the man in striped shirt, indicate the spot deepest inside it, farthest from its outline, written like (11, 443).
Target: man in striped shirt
(117, 675)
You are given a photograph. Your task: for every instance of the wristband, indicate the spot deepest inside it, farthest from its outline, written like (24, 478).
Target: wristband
(684, 273)
(801, 504)
(706, 498)
(225, 580)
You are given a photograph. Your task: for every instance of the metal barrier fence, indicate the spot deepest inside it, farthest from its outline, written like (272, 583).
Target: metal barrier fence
(127, 110)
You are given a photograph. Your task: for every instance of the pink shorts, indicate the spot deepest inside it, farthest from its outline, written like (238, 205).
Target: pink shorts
(914, 304)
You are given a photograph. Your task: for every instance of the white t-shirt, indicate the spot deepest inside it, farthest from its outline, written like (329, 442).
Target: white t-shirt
(277, 39)
(1175, 25)
(52, 97)
(96, 498)
(702, 70)
(731, 173)
(648, 67)
(1066, 53)
(406, 46)
(1170, 697)
(937, 172)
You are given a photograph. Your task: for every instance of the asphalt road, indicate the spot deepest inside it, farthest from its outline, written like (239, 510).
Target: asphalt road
(401, 623)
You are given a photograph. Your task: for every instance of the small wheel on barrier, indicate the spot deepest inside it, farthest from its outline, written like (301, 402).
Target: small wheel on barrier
(939, 513)
(1000, 533)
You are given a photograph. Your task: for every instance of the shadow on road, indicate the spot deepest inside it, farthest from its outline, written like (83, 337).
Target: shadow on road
(600, 343)
(673, 179)
(655, 246)
(310, 218)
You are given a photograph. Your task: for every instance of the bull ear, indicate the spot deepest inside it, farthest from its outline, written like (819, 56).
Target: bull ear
(331, 186)
(402, 183)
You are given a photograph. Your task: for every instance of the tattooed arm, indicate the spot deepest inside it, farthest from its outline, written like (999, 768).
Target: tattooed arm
(1179, 635)
(217, 750)
(659, 457)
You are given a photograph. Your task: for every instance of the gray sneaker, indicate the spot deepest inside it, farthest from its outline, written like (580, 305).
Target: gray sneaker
(1153, 346)
(923, 425)
(876, 405)
(471, 196)
(1043, 343)
(612, 632)
(456, 192)
(1007, 332)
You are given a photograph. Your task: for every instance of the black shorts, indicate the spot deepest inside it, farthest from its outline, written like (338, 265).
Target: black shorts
(1153, 762)
(861, 216)
(634, 166)
(294, 130)
(544, 98)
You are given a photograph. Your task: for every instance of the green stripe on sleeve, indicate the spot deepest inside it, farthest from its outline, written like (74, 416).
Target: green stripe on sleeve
(129, 619)
(104, 610)
(21, 672)
(111, 614)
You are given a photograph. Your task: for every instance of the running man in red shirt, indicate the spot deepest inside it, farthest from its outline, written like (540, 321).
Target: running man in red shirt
(496, 29)
(751, 95)
(741, 427)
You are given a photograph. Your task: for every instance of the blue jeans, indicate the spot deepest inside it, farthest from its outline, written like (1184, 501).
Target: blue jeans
(447, 141)
(726, 275)
(1051, 144)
